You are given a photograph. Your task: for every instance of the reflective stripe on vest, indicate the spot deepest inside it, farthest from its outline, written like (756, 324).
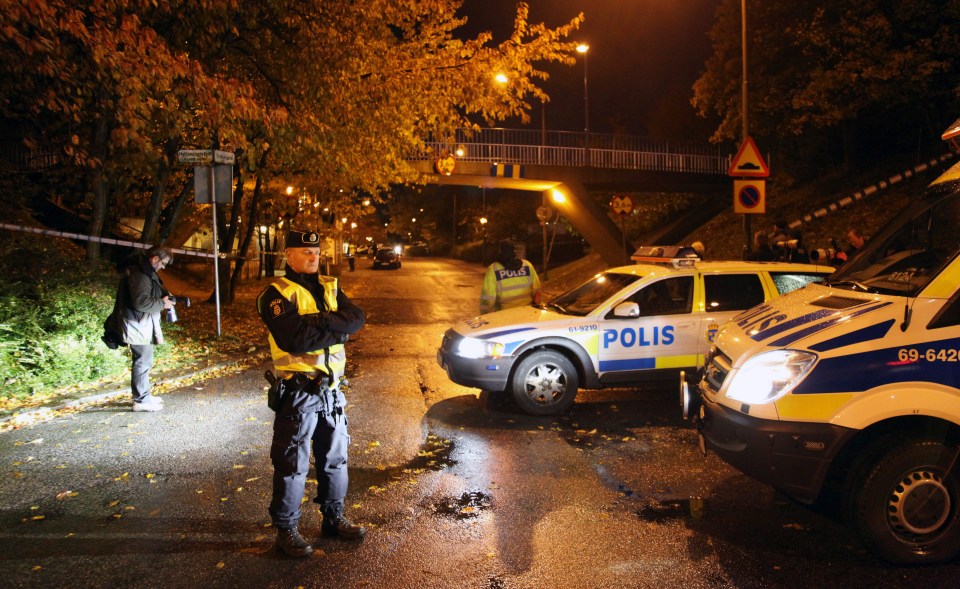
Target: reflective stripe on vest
(332, 360)
(514, 287)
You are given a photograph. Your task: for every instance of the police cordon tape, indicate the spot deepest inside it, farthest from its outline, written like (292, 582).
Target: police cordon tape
(110, 241)
(882, 185)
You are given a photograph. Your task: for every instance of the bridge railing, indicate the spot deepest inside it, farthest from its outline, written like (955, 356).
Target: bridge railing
(568, 148)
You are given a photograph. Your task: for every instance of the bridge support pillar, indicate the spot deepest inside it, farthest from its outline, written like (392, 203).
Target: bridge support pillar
(592, 221)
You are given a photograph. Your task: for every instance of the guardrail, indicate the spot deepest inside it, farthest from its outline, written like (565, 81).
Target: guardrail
(24, 159)
(568, 148)
(524, 146)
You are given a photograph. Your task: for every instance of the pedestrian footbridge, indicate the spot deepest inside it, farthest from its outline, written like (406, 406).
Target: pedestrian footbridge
(574, 164)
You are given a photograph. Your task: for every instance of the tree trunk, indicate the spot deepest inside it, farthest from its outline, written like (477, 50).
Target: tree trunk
(151, 220)
(251, 223)
(171, 212)
(96, 185)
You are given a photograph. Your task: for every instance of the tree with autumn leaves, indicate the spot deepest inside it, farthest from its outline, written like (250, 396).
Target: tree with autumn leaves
(330, 96)
(833, 81)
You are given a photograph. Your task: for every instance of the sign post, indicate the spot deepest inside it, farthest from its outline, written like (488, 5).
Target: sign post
(749, 196)
(220, 166)
(622, 206)
(543, 214)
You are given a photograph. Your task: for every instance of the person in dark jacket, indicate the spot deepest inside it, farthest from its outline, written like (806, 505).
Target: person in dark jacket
(762, 252)
(309, 319)
(135, 321)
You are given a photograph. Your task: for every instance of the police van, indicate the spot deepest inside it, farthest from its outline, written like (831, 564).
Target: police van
(848, 392)
(621, 327)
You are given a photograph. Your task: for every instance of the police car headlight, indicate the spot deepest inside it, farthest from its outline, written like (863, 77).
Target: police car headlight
(471, 347)
(767, 377)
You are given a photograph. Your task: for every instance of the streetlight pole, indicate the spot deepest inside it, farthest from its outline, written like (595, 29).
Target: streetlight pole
(483, 225)
(744, 115)
(583, 48)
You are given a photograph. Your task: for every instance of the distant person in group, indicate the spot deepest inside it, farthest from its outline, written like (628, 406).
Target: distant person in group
(779, 237)
(135, 321)
(796, 252)
(309, 319)
(699, 248)
(762, 252)
(509, 282)
(856, 241)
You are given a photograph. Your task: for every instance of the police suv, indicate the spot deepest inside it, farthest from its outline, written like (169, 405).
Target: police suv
(622, 327)
(848, 392)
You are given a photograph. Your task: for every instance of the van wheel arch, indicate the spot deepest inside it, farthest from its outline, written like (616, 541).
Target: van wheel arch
(885, 467)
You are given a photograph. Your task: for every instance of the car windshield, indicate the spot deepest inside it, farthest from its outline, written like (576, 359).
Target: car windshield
(591, 294)
(906, 254)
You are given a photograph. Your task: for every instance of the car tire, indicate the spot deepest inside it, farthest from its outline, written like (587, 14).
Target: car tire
(544, 383)
(906, 502)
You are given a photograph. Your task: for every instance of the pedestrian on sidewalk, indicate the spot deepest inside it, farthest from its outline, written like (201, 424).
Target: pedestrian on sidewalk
(135, 321)
(309, 319)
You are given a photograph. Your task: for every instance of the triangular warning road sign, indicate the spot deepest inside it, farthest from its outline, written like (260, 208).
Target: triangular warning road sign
(748, 163)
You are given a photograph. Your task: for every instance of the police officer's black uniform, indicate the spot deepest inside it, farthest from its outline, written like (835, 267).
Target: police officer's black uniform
(311, 412)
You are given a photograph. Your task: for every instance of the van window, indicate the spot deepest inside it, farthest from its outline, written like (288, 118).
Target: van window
(911, 250)
(732, 292)
(791, 281)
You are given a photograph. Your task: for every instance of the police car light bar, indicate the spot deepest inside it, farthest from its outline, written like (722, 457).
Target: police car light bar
(678, 255)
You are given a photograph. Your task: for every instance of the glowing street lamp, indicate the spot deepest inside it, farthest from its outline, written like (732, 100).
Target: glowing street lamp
(582, 49)
(483, 245)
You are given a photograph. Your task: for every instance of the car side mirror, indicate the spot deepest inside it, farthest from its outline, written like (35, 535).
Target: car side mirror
(627, 310)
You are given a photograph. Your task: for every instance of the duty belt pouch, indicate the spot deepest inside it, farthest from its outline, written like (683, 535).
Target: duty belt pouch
(277, 391)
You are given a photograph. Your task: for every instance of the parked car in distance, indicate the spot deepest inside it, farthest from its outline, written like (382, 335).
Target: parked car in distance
(387, 257)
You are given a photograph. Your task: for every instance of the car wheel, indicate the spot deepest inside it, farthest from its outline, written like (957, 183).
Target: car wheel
(907, 502)
(544, 383)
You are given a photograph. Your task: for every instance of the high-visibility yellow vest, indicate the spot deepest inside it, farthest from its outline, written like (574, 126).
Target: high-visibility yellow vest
(505, 289)
(331, 360)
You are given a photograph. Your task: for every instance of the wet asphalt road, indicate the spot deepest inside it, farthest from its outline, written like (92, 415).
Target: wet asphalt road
(456, 494)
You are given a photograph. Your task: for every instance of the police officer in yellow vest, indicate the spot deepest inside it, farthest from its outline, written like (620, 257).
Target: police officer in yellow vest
(509, 282)
(309, 319)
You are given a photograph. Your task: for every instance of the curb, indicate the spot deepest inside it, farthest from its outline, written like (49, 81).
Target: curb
(102, 396)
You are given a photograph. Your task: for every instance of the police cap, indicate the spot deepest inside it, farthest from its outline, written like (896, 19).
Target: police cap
(303, 239)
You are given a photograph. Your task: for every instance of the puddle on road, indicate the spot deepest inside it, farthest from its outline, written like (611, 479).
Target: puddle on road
(466, 506)
(433, 456)
(660, 511)
(656, 510)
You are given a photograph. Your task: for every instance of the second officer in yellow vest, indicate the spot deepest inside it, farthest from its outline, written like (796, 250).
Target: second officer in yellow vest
(309, 319)
(509, 282)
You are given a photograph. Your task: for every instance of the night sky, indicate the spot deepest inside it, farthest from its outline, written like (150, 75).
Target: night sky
(644, 57)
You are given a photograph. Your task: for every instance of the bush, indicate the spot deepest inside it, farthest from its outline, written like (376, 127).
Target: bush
(52, 307)
(51, 317)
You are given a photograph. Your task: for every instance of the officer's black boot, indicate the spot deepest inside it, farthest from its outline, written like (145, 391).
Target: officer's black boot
(338, 526)
(291, 543)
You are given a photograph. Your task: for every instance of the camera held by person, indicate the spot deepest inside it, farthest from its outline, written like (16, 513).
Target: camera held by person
(171, 313)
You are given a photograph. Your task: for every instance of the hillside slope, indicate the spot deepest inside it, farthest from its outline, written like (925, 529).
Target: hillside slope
(882, 198)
